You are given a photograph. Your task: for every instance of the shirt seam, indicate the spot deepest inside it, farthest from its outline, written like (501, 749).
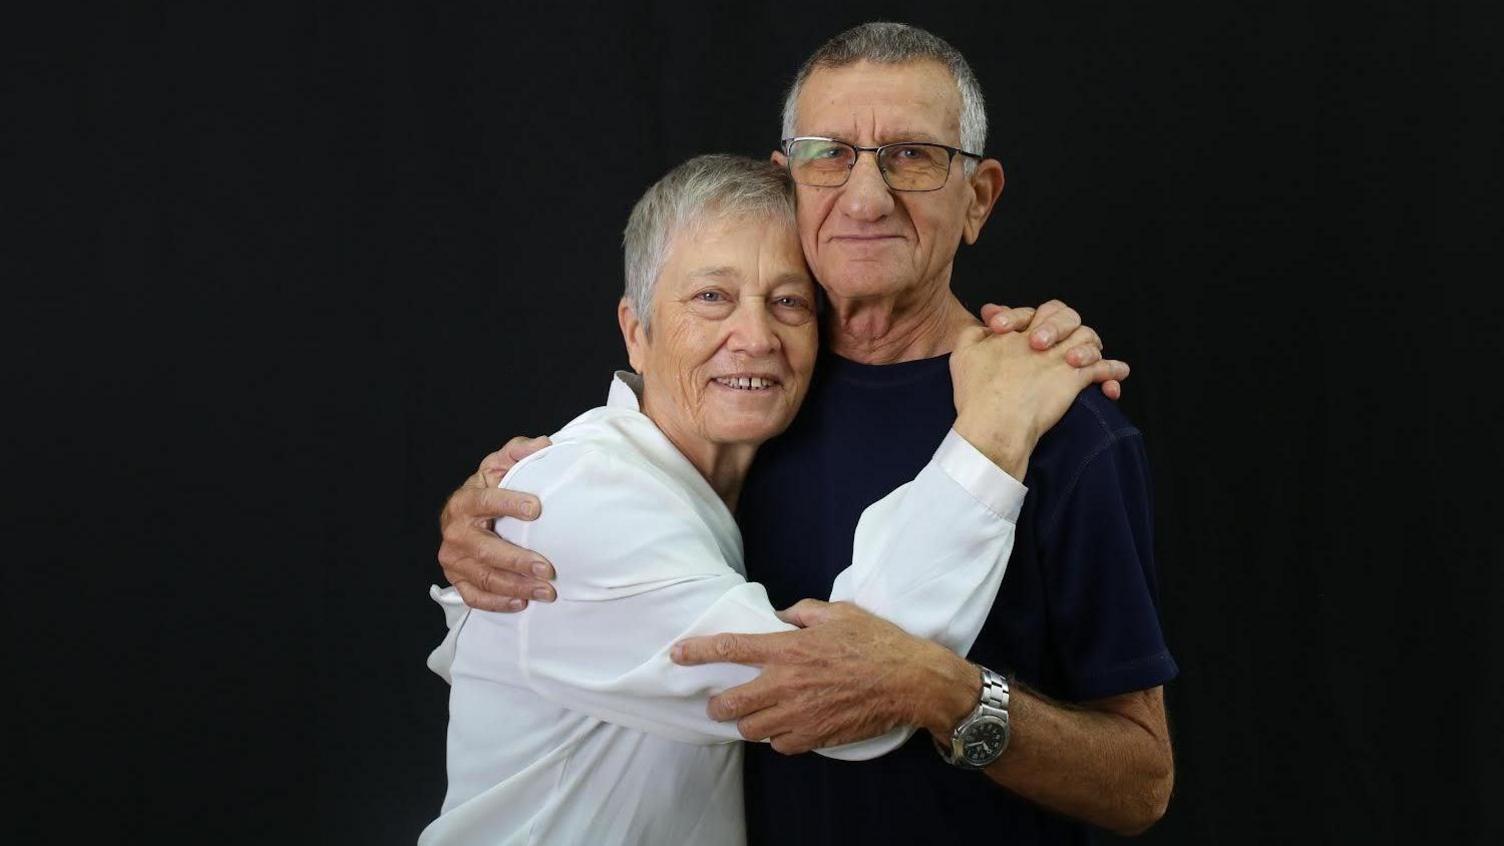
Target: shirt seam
(1113, 437)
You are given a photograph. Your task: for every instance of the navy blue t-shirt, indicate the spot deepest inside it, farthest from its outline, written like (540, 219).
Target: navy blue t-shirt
(1076, 617)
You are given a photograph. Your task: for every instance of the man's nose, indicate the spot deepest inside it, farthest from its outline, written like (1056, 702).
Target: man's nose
(751, 329)
(865, 195)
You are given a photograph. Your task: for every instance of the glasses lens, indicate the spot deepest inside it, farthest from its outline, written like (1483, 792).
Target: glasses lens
(915, 167)
(826, 164)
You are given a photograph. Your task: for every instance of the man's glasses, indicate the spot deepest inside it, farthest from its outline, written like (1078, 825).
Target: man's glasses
(905, 165)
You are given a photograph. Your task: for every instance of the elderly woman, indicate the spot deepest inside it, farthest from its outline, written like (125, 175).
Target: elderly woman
(568, 722)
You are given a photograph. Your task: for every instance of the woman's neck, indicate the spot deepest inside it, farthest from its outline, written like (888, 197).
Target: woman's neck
(724, 466)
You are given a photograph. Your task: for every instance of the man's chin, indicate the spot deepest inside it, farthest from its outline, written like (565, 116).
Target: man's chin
(861, 279)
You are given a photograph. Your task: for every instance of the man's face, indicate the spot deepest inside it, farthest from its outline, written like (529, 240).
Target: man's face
(864, 239)
(733, 335)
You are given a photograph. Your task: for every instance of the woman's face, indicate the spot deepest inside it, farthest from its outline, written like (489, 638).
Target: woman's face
(733, 335)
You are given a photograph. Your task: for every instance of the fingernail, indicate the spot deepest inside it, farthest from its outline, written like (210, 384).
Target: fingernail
(516, 605)
(542, 570)
(676, 652)
(1042, 336)
(529, 509)
(543, 594)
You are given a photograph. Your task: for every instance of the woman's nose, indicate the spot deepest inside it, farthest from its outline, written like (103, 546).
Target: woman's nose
(752, 329)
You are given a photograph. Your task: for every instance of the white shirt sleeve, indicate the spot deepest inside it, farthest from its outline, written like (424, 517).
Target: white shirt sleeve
(638, 570)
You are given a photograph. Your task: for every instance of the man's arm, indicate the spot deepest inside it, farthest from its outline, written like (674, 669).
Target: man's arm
(490, 572)
(848, 673)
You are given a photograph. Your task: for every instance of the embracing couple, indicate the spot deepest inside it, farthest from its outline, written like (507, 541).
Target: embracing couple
(823, 545)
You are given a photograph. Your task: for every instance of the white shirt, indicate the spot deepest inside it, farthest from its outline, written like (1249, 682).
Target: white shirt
(568, 723)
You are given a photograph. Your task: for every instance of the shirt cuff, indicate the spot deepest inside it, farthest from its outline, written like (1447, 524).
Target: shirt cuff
(977, 475)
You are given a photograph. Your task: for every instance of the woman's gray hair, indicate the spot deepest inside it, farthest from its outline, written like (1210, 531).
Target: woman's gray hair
(726, 187)
(896, 44)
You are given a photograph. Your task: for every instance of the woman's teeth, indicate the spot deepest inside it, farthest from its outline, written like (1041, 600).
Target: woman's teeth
(746, 383)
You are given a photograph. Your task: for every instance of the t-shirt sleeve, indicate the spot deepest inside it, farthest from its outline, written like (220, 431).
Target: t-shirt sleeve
(1098, 547)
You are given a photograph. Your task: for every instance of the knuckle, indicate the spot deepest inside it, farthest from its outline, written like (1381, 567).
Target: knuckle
(724, 645)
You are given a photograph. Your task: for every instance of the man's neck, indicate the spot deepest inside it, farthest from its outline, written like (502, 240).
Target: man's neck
(889, 330)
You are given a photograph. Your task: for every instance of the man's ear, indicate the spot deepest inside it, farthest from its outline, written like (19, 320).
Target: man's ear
(986, 187)
(633, 333)
(778, 158)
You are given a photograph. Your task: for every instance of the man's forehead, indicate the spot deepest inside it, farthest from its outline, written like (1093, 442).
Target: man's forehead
(915, 101)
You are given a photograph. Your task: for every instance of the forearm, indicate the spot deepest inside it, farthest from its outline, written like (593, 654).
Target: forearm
(1110, 766)
(930, 556)
(1109, 769)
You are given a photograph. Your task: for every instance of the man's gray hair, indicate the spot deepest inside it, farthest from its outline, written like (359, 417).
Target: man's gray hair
(726, 187)
(896, 44)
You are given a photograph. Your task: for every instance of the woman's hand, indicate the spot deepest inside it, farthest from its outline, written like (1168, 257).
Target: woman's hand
(1008, 394)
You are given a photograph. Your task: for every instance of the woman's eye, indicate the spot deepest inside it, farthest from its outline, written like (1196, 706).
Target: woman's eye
(789, 302)
(710, 297)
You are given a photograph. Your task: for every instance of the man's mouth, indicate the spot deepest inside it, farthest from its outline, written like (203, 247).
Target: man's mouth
(748, 383)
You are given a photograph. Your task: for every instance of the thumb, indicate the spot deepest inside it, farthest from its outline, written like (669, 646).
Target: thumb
(971, 336)
(805, 613)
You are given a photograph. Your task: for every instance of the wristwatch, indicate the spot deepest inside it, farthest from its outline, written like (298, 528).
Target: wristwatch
(983, 735)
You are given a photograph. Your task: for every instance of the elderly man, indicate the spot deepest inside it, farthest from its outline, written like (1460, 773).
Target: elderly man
(1057, 718)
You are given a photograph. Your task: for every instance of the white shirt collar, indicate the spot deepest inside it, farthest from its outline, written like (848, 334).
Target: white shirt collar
(626, 391)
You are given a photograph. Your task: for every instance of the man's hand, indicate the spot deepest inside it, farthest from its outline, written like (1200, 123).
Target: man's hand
(1047, 326)
(847, 675)
(490, 573)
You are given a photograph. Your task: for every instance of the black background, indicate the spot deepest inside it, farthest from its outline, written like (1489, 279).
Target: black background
(280, 276)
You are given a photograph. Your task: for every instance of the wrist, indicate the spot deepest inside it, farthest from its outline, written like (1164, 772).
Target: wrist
(1009, 447)
(954, 689)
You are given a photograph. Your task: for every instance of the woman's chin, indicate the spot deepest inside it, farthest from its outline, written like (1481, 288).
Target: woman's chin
(745, 428)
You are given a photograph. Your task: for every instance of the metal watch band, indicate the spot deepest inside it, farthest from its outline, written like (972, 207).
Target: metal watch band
(992, 706)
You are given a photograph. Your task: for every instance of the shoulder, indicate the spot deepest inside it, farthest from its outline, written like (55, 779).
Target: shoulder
(601, 443)
(1093, 446)
(1092, 426)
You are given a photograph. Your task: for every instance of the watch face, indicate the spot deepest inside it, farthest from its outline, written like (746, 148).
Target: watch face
(984, 740)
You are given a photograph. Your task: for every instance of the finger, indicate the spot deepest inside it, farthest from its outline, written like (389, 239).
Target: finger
(1009, 319)
(521, 447)
(742, 700)
(727, 648)
(1112, 389)
(469, 553)
(1054, 320)
(805, 612)
(1081, 336)
(501, 502)
(507, 583)
(767, 723)
(991, 309)
(1108, 369)
(792, 743)
(1083, 355)
(477, 598)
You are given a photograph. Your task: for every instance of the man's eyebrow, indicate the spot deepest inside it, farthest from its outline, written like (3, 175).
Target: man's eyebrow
(886, 137)
(907, 135)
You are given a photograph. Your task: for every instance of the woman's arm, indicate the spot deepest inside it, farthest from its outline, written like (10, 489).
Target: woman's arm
(639, 570)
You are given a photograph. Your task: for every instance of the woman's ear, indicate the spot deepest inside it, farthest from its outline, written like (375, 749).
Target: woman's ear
(633, 333)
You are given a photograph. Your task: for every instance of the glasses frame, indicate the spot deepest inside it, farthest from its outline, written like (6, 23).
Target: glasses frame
(877, 153)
